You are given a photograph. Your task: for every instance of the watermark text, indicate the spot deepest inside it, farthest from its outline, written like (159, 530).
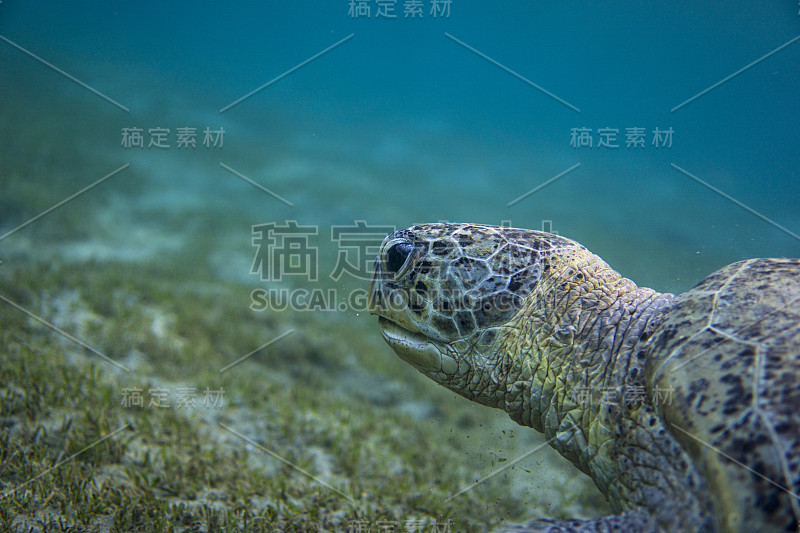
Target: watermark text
(161, 138)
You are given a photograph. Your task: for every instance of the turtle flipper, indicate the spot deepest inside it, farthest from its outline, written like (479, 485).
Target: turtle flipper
(632, 522)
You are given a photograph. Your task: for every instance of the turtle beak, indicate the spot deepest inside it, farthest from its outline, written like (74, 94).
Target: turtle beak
(417, 349)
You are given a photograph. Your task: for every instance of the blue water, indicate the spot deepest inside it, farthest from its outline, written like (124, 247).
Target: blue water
(408, 120)
(326, 119)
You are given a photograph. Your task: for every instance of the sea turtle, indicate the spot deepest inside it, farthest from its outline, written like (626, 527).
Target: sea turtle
(684, 410)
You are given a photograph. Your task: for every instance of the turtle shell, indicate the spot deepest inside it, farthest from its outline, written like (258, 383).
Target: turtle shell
(723, 371)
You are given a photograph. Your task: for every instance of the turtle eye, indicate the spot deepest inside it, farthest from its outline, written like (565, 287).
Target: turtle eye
(399, 258)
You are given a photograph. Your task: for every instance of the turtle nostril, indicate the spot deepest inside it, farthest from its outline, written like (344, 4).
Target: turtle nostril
(397, 256)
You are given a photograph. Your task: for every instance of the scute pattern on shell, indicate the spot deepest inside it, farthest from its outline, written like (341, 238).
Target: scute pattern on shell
(728, 351)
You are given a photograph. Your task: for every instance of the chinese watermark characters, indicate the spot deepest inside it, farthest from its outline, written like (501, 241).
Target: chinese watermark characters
(392, 9)
(610, 138)
(160, 138)
(629, 395)
(177, 398)
(285, 250)
(410, 525)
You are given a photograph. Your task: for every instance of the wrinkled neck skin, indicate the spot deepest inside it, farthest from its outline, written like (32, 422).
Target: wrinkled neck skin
(573, 361)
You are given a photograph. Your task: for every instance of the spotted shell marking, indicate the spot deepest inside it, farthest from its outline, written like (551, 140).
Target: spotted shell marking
(728, 355)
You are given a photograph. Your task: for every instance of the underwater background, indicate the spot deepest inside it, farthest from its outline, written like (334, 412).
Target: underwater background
(163, 166)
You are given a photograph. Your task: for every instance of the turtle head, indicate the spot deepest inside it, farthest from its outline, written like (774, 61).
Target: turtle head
(525, 321)
(448, 296)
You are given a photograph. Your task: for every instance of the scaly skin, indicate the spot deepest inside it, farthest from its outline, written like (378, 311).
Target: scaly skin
(554, 339)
